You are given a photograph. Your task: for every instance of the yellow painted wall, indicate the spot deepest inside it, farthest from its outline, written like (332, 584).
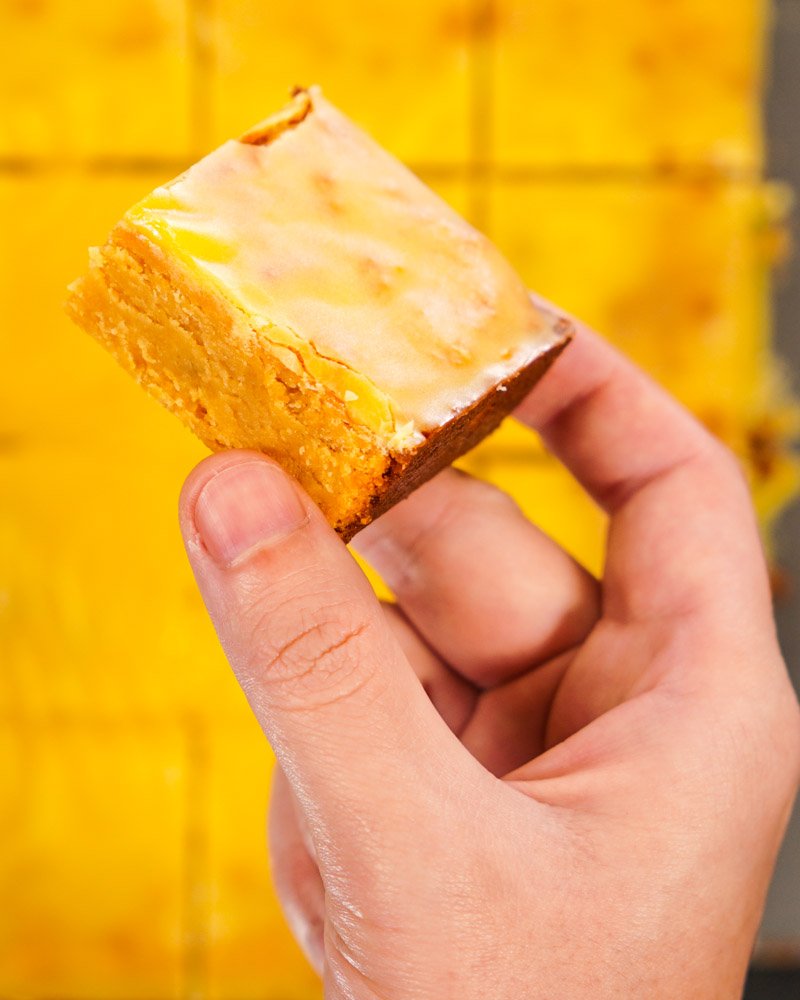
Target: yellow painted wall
(616, 159)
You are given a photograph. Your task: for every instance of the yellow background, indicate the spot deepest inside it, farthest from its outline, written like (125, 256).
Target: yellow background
(616, 158)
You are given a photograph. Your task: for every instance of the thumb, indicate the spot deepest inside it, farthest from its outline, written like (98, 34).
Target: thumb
(307, 639)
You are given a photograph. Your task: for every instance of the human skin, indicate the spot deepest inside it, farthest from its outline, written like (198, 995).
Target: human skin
(518, 781)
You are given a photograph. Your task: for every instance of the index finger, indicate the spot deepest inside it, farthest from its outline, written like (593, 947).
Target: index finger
(682, 533)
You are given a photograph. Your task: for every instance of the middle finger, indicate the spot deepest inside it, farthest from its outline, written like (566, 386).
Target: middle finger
(490, 592)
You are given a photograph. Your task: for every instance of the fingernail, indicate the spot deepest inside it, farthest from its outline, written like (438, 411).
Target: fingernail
(244, 508)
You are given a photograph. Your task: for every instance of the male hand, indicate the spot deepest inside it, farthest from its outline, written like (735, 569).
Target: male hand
(518, 781)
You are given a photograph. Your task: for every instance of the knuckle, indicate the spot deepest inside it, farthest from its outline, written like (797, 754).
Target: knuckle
(453, 512)
(308, 643)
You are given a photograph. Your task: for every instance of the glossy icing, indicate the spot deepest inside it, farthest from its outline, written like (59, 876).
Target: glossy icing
(351, 267)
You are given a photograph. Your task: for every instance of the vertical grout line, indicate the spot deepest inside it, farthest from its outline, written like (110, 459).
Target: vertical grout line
(482, 54)
(196, 874)
(201, 69)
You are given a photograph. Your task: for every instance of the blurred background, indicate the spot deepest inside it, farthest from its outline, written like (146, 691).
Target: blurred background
(618, 160)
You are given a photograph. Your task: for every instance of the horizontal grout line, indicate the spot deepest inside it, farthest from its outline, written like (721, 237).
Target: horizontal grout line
(463, 172)
(511, 174)
(112, 165)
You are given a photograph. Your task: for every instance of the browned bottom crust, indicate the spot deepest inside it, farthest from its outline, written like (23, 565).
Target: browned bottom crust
(453, 439)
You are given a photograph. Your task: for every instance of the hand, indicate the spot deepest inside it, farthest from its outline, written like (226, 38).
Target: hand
(517, 782)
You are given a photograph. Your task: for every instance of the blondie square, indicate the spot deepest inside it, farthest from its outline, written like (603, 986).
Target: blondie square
(300, 292)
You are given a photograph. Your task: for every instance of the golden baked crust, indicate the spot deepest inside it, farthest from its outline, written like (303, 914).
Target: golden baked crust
(300, 292)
